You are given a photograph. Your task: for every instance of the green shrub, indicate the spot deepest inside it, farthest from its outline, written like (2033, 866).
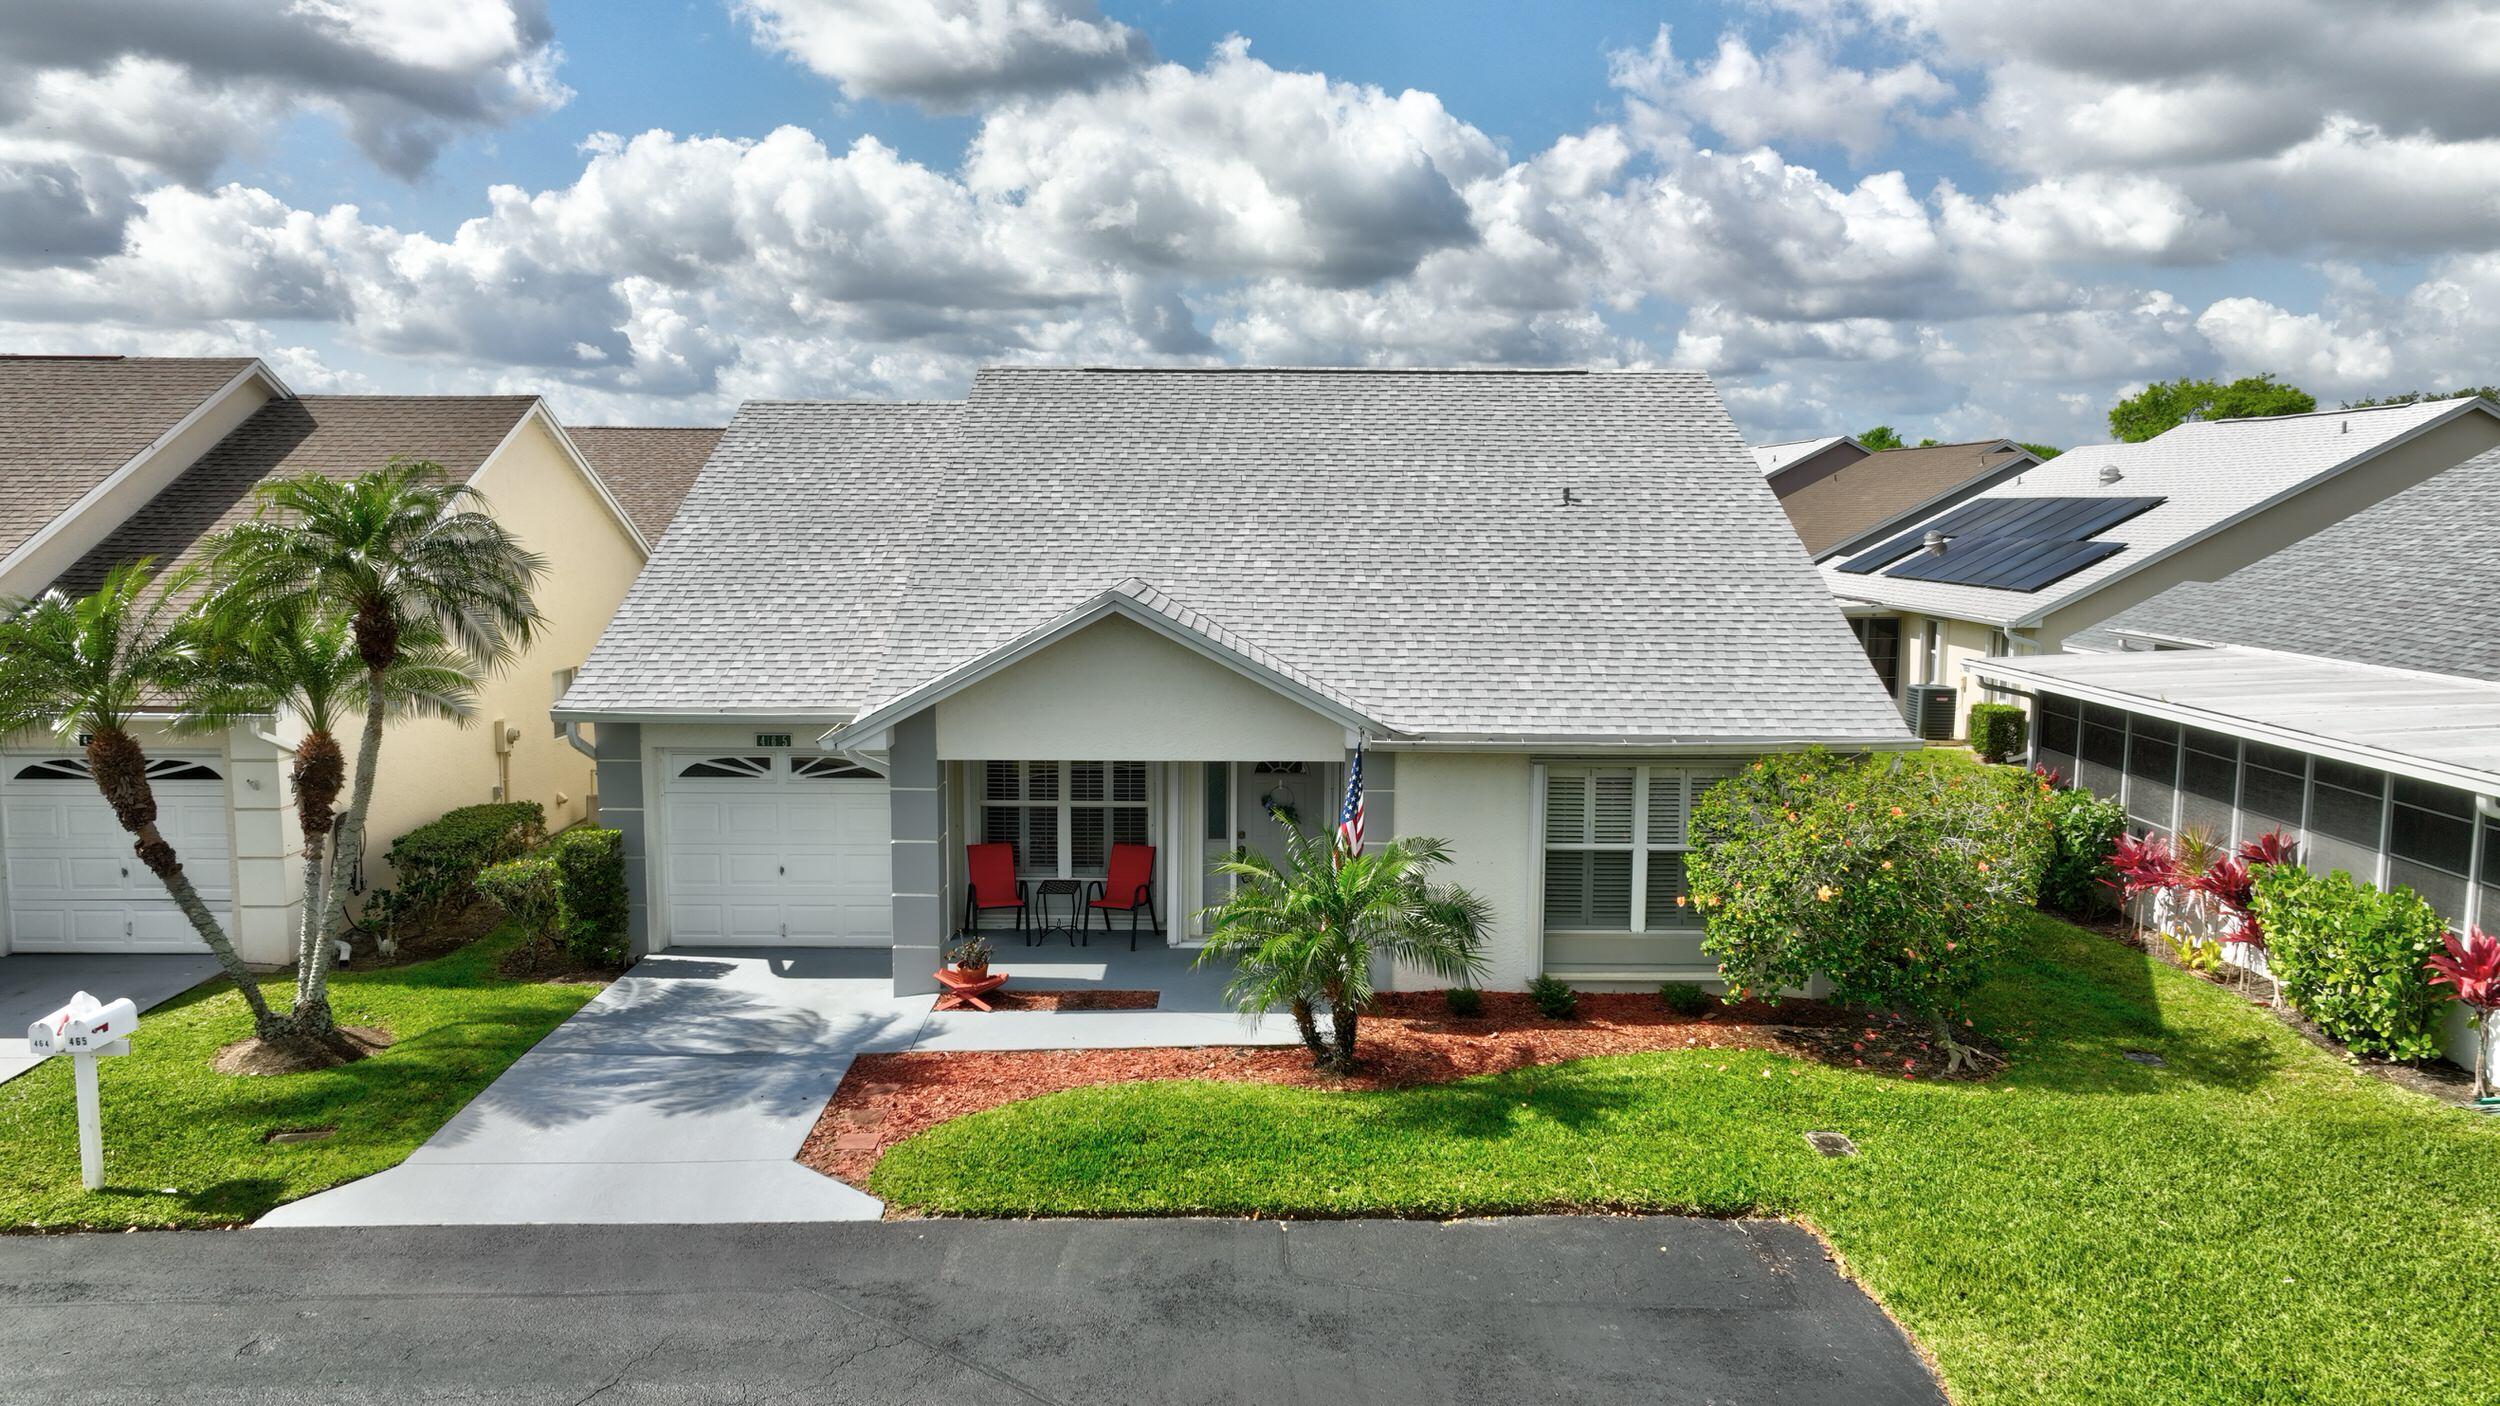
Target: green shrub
(526, 890)
(1998, 731)
(1900, 884)
(590, 891)
(2350, 958)
(1554, 997)
(438, 863)
(2083, 829)
(1464, 1001)
(1685, 998)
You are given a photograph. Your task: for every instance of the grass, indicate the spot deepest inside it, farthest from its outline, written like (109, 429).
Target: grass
(182, 1143)
(2253, 1221)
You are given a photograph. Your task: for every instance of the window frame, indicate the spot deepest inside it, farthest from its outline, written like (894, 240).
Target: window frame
(1693, 777)
(1064, 803)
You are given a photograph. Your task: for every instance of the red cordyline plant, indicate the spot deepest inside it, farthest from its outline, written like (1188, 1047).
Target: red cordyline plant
(2471, 969)
(2144, 864)
(2232, 881)
(2051, 775)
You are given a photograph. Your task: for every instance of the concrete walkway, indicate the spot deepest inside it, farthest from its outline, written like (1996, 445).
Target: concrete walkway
(35, 984)
(1594, 1309)
(683, 1093)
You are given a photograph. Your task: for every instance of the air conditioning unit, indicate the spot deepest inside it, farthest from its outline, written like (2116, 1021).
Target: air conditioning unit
(1932, 706)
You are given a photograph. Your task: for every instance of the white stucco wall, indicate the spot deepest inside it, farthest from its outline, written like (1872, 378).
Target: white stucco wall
(1481, 805)
(1118, 689)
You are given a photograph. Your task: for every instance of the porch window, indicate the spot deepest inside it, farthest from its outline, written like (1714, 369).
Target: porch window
(2430, 845)
(1063, 817)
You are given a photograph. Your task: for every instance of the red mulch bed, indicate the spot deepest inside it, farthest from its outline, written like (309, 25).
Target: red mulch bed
(1409, 1038)
(1007, 998)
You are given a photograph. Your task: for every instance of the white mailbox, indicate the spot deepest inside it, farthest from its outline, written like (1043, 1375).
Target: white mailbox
(84, 1029)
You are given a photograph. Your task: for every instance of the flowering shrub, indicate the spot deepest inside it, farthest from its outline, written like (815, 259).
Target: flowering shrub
(1899, 884)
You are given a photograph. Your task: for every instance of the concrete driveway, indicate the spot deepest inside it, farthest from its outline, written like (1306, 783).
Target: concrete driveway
(35, 984)
(1349, 1313)
(683, 1093)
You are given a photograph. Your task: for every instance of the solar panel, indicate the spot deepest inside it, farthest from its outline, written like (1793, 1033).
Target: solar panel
(2039, 519)
(2005, 563)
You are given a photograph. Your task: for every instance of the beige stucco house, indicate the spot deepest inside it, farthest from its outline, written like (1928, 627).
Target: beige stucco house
(2038, 563)
(110, 459)
(1095, 606)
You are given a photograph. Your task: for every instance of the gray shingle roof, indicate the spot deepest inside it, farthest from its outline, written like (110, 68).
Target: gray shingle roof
(1401, 537)
(2411, 582)
(66, 423)
(772, 589)
(337, 435)
(2210, 473)
(648, 468)
(1857, 499)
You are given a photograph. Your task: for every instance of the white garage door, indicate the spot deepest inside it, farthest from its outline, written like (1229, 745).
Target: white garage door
(776, 848)
(74, 885)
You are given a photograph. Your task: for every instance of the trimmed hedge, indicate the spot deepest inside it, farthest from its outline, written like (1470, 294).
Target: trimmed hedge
(1998, 731)
(570, 890)
(590, 890)
(2084, 829)
(438, 863)
(2350, 958)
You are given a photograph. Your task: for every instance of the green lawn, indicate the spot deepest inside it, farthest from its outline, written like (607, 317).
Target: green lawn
(2254, 1221)
(182, 1144)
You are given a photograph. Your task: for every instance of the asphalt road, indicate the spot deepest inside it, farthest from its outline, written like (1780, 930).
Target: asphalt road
(1095, 1312)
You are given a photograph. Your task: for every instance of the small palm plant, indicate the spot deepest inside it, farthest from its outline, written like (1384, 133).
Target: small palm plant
(92, 666)
(302, 662)
(1303, 935)
(405, 556)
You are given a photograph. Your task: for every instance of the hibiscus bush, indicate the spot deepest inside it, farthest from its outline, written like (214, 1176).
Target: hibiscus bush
(1900, 884)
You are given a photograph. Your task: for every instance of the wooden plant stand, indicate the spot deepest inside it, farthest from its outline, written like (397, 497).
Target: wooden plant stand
(966, 991)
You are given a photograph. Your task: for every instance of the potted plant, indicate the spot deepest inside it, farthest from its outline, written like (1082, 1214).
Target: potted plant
(971, 957)
(2471, 969)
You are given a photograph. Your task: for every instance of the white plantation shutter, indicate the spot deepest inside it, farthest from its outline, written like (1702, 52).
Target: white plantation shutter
(1614, 834)
(1667, 809)
(1083, 808)
(1566, 808)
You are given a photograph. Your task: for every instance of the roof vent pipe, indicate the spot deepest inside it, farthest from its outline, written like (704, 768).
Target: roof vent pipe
(1933, 543)
(2110, 473)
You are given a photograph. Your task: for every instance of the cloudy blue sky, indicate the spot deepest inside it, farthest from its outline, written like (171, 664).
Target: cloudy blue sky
(1963, 218)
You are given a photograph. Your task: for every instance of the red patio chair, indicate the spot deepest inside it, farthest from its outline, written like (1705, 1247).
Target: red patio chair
(1128, 886)
(993, 884)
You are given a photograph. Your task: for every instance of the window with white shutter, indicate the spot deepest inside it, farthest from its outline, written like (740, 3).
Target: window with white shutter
(1063, 817)
(1615, 841)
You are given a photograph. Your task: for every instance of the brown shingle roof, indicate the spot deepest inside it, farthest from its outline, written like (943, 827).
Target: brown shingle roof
(67, 422)
(649, 469)
(338, 436)
(1880, 487)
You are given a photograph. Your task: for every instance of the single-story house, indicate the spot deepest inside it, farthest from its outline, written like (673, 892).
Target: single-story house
(1840, 504)
(106, 460)
(2039, 563)
(1088, 606)
(2344, 690)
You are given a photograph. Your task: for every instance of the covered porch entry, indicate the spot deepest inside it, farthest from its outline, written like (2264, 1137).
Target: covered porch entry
(1126, 721)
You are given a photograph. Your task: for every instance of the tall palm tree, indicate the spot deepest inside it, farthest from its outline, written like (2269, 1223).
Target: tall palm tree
(1303, 935)
(400, 553)
(92, 665)
(298, 660)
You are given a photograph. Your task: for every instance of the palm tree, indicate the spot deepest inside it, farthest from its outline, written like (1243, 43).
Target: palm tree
(402, 554)
(1303, 935)
(297, 660)
(91, 665)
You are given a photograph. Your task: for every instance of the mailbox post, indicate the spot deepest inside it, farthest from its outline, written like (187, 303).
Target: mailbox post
(85, 1030)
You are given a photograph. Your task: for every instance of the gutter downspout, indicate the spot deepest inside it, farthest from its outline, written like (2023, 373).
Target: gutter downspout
(573, 735)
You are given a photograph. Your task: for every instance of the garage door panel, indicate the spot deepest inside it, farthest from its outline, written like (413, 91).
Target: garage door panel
(73, 883)
(770, 857)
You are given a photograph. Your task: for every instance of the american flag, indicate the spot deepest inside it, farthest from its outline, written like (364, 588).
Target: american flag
(1350, 815)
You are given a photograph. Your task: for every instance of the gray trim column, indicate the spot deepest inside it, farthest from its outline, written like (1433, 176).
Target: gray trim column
(616, 754)
(918, 829)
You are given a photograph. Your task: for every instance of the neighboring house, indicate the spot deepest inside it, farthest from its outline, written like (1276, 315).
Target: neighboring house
(2344, 690)
(2038, 563)
(648, 468)
(1088, 606)
(1855, 505)
(1790, 462)
(194, 438)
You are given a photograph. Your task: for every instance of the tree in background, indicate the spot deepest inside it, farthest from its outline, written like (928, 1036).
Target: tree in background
(2490, 393)
(2041, 452)
(1880, 438)
(2165, 405)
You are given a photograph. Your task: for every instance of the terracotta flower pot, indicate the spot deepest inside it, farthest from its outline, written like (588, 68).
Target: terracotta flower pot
(975, 973)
